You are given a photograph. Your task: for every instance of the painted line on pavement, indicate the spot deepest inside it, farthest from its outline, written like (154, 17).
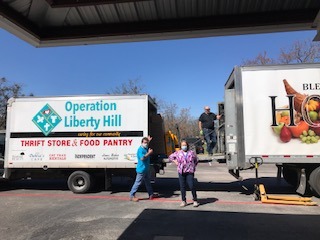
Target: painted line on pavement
(122, 198)
(74, 196)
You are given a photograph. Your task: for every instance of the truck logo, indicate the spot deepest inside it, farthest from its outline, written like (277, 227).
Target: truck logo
(46, 119)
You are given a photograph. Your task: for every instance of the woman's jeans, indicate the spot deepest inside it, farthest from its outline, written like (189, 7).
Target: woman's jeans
(146, 178)
(187, 178)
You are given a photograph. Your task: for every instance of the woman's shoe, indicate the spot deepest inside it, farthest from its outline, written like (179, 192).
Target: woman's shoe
(151, 197)
(183, 204)
(134, 199)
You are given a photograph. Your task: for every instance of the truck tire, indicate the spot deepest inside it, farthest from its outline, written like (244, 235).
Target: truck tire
(314, 181)
(290, 174)
(79, 182)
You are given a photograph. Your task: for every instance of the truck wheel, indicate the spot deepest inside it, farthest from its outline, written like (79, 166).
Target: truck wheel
(290, 175)
(314, 181)
(79, 182)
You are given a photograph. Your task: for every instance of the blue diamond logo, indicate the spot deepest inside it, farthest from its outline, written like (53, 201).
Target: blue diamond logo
(46, 119)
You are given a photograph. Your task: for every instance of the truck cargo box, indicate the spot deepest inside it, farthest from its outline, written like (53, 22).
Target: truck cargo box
(259, 101)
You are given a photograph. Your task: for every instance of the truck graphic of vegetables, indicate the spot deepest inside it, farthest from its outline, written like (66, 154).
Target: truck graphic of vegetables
(303, 121)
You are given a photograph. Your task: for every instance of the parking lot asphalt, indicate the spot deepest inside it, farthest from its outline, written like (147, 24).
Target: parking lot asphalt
(46, 209)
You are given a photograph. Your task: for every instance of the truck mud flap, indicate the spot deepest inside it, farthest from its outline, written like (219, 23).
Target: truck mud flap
(302, 188)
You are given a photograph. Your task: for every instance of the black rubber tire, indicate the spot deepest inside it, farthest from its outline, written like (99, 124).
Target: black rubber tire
(314, 181)
(290, 174)
(79, 182)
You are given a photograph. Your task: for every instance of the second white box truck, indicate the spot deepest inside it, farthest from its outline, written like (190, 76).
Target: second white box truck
(271, 114)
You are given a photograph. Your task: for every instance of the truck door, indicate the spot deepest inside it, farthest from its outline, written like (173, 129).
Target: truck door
(2, 147)
(231, 129)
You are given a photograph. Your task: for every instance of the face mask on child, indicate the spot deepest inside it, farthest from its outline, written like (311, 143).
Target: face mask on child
(145, 145)
(184, 148)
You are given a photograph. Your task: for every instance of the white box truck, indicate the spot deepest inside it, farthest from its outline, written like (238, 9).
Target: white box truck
(272, 114)
(83, 138)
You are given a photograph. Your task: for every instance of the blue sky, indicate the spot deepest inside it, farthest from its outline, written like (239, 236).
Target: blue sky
(190, 72)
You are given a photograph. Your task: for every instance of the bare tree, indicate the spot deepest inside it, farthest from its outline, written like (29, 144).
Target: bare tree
(179, 121)
(169, 114)
(298, 52)
(260, 59)
(132, 86)
(188, 125)
(7, 90)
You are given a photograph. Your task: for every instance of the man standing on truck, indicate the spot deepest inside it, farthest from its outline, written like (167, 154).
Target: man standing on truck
(142, 169)
(206, 127)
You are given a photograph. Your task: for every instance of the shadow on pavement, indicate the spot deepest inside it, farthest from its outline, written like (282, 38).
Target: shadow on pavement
(159, 224)
(35, 184)
(167, 187)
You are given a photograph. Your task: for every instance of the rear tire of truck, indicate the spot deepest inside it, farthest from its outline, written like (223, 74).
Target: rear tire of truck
(314, 181)
(290, 174)
(79, 182)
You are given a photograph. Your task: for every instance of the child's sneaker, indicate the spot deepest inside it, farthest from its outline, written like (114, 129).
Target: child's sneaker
(196, 204)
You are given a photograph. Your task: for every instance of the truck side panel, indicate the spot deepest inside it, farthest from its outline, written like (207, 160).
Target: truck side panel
(76, 132)
(268, 100)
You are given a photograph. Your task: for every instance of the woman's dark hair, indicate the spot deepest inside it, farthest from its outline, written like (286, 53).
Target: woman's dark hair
(144, 139)
(183, 140)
